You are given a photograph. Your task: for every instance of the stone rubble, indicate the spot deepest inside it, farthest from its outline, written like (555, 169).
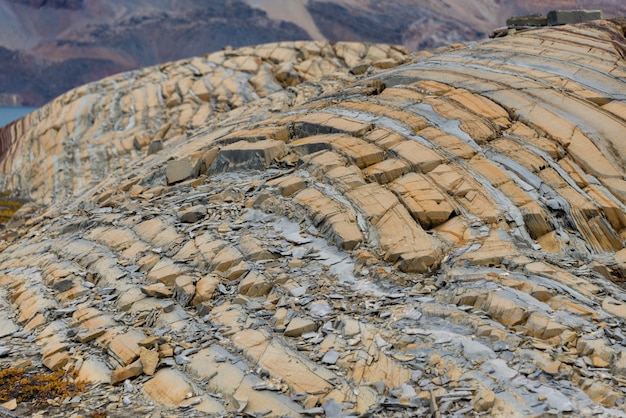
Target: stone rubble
(443, 236)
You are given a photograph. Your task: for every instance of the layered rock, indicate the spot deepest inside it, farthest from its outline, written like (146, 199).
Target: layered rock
(311, 236)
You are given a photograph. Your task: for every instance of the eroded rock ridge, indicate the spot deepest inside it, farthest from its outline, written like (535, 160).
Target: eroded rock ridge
(332, 229)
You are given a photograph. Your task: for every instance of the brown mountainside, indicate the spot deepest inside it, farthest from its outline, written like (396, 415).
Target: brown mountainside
(50, 46)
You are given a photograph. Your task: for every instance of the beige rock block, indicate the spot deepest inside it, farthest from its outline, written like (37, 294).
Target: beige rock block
(386, 171)
(56, 361)
(253, 249)
(165, 271)
(564, 277)
(426, 204)
(255, 284)
(298, 326)
(374, 200)
(417, 155)
(149, 360)
(360, 152)
(179, 170)
(384, 138)
(600, 392)
(36, 321)
(168, 387)
(259, 154)
(494, 174)
(226, 258)
(299, 373)
(125, 347)
(230, 380)
(156, 291)
(541, 326)
(334, 219)
(405, 243)
(346, 178)
(279, 319)
(323, 123)
(205, 288)
(54, 348)
(288, 185)
(91, 319)
(614, 306)
(158, 231)
(127, 372)
(481, 105)
(466, 191)
(94, 371)
(492, 252)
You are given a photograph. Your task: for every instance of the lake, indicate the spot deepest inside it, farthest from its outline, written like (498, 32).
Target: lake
(9, 114)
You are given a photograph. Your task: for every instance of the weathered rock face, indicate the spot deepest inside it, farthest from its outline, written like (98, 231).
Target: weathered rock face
(323, 230)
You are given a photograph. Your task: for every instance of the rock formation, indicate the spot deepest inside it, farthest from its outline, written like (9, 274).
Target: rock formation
(50, 46)
(310, 229)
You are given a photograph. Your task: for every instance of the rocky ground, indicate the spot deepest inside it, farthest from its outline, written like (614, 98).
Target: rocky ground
(314, 229)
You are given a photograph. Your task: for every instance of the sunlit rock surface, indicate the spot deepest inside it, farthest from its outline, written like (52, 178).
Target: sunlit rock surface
(309, 229)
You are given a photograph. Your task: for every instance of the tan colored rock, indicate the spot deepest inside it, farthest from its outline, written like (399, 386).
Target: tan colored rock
(257, 155)
(56, 361)
(254, 285)
(484, 400)
(179, 170)
(125, 347)
(298, 326)
(235, 384)
(95, 371)
(420, 157)
(149, 360)
(134, 369)
(156, 291)
(330, 214)
(205, 288)
(614, 306)
(168, 387)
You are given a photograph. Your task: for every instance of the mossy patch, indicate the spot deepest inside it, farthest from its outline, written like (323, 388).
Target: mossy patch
(8, 206)
(30, 386)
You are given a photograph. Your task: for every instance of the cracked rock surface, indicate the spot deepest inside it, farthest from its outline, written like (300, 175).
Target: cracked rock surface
(314, 229)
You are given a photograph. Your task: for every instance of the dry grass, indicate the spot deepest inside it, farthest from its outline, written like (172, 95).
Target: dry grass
(29, 386)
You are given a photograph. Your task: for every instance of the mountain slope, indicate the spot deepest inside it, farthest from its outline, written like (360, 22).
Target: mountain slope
(310, 228)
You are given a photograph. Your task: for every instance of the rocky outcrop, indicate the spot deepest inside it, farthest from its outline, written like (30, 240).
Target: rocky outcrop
(50, 46)
(332, 229)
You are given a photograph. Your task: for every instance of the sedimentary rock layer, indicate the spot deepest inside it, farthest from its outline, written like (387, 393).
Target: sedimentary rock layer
(306, 228)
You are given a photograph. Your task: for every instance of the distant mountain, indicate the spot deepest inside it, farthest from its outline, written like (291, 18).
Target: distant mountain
(50, 46)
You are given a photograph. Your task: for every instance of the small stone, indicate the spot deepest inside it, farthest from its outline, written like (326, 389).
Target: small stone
(298, 326)
(11, 405)
(132, 370)
(156, 291)
(484, 400)
(87, 335)
(4, 351)
(330, 357)
(149, 360)
(192, 214)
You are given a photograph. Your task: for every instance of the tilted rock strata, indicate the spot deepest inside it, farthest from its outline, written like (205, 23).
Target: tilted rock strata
(443, 236)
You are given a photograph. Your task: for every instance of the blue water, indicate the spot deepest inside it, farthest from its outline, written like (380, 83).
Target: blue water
(9, 114)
